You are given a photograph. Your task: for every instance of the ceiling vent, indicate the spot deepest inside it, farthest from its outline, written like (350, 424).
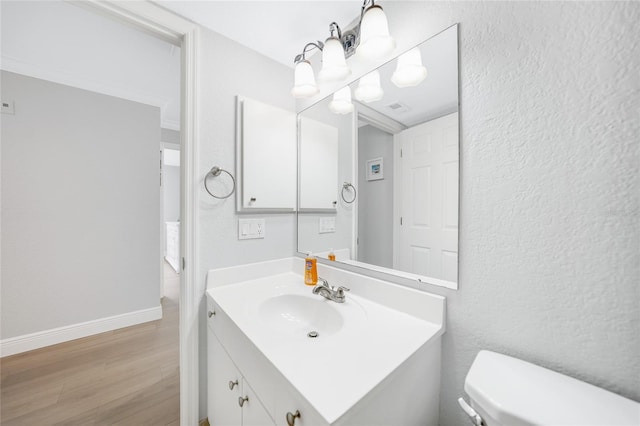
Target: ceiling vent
(397, 107)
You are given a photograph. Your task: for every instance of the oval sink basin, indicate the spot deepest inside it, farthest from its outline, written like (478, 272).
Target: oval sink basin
(297, 314)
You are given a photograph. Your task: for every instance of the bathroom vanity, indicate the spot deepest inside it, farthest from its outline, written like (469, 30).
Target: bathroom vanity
(279, 354)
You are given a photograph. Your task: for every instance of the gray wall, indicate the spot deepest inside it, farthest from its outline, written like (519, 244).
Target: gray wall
(171, 188)
(375, 199)
(228, 69)
(169, 136)
(549, 214)
(80, 206)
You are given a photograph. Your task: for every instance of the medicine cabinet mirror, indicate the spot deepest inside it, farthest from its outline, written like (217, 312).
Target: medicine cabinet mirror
(378, 187)
(265, 158)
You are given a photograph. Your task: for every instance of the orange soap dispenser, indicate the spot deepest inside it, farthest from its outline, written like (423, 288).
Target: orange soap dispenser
(310, 270)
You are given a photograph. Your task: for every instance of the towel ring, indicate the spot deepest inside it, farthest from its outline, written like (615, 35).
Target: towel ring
(347, 185)
(215, 172)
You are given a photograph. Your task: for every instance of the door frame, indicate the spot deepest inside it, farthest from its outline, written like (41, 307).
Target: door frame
(161, 23)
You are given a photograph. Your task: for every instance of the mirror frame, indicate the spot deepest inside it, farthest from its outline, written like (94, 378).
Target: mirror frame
(367, 269)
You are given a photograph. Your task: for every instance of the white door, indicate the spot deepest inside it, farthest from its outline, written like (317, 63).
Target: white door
(428, 236)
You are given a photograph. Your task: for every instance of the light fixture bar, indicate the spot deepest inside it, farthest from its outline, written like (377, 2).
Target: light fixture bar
(350, 39)
(309, 46)
(374, 42)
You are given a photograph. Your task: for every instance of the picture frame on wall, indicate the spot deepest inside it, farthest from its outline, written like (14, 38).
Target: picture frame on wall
(375, 169)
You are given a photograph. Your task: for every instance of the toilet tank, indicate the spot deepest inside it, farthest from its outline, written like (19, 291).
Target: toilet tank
(507, 391)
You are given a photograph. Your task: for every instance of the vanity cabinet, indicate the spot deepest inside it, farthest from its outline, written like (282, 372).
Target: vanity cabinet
(288, 402)
(228, 389)
(359, 370)
(273, 398)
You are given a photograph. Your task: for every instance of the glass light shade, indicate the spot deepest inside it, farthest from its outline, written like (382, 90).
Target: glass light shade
(341, 103)
(409, 71)
(304, 84)
(375, 40)
(369, 89)
(334, 65)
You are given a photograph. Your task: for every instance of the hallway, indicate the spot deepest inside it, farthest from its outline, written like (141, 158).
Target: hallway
(126, 377)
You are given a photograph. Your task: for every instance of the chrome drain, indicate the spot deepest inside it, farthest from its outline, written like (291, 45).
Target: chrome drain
(312, 334)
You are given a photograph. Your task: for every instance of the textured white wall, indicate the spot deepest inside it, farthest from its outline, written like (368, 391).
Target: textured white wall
(549, 213)
(80, 206)
(549, 247)
(227, 69)
(549, 256)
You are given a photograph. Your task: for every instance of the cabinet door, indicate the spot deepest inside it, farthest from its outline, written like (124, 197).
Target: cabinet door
(253, 412)
(222, 402)
(318, 165)
(288, 400)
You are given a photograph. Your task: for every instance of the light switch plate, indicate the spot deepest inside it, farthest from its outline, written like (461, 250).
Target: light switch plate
(249, 229)
(327, 225)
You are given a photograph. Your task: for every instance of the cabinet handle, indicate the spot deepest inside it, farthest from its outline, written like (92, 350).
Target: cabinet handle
(291, 418)
(233, 385)
(211, 313)
(242, 400)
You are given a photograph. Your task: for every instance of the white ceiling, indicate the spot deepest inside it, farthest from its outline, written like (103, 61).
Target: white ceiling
(436, 96)
(277, 29)
(57, 41)
(66, 44)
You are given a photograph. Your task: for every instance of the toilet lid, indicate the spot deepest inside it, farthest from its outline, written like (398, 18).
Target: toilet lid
(513, 391)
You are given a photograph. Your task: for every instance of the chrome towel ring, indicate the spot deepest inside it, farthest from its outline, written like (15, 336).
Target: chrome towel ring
(215, 172)
(346, 186)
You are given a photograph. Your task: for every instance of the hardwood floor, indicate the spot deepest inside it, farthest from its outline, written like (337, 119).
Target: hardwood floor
(123, 377)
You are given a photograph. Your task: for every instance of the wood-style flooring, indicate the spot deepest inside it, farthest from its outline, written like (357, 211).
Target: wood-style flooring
(123, 377)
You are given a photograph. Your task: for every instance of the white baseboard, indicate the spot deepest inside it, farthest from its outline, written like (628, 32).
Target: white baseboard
(28, 342)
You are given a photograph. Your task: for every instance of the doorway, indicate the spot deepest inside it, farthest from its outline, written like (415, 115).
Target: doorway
(109, 177)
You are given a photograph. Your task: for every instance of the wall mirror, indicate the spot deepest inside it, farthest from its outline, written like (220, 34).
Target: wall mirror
(378, 185)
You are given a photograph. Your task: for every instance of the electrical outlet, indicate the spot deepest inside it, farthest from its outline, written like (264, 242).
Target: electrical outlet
(260, 227)
(249, 229)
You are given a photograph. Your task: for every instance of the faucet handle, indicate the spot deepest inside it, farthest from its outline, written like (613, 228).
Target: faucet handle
(341, 290)
(324, 282)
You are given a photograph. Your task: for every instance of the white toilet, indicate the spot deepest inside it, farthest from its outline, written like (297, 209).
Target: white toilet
(506, 391)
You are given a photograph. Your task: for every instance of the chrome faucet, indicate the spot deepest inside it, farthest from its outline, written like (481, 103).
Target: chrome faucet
(330, 292)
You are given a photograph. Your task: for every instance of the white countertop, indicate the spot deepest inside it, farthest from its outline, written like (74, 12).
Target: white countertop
(336, 369)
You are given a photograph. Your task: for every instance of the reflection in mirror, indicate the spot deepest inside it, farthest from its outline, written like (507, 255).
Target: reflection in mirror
(378, 185)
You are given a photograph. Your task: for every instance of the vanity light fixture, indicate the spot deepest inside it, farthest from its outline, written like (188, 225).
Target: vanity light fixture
(370, 37)
(375, 40)
(409, 71)
(304, 82)
(341, 103)
(334, 65)
(369, 89)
